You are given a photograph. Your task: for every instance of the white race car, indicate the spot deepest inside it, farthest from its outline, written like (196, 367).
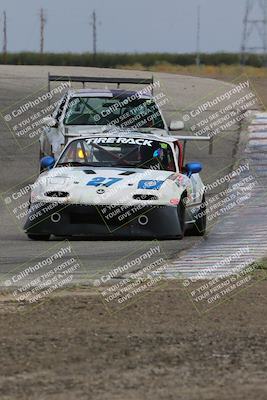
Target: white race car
(121, 184)
(83, 111)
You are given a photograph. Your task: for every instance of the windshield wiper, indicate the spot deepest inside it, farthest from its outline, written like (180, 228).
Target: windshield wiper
(75, 164)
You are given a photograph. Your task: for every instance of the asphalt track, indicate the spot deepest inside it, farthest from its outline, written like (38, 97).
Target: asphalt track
(20, 164)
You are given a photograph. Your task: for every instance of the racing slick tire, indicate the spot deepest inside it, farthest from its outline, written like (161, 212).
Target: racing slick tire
(38, 237)
(200, 224)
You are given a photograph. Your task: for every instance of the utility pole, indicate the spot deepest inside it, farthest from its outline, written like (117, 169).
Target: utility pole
(42, 26)
(254, 25)
(198, 37)
(5, 39)
(94, 24)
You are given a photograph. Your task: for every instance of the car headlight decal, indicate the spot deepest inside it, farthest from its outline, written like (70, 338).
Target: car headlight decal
(150, 184)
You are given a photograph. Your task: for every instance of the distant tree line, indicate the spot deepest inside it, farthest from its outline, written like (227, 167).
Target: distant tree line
(112, 60)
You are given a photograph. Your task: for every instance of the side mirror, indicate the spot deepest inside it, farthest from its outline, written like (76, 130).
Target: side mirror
(47, 162)
(176, 125)
(193, 168)
(50, 121)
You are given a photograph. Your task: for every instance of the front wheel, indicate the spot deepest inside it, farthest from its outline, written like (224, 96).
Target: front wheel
(200, 224)
(38, 237)
(181, 217)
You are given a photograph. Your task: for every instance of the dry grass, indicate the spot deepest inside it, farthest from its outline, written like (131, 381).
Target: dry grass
(228, 73)
(204, 70)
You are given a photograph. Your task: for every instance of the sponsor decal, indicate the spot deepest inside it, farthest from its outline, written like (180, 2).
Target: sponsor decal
(119, 140)
(175, 202)
(150, 184)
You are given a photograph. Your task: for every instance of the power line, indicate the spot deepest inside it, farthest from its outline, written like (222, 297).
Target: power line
(4, 38)
(254, 25)
(93, 23)
(42, 27)
(198, 37)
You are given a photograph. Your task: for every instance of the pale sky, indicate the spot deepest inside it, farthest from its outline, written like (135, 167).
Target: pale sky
(126, 25)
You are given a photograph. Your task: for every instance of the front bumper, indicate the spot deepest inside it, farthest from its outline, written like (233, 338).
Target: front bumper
(104, 221)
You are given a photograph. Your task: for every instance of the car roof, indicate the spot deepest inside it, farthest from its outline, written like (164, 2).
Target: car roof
(109, 93)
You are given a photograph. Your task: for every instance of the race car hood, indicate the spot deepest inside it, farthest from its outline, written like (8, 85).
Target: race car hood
(89, 185)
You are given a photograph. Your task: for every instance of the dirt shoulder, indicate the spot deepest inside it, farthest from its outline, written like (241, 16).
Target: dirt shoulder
(70, 347)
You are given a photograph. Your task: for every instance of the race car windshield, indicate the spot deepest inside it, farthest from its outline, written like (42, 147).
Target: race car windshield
(123, 112)
(119, 152)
